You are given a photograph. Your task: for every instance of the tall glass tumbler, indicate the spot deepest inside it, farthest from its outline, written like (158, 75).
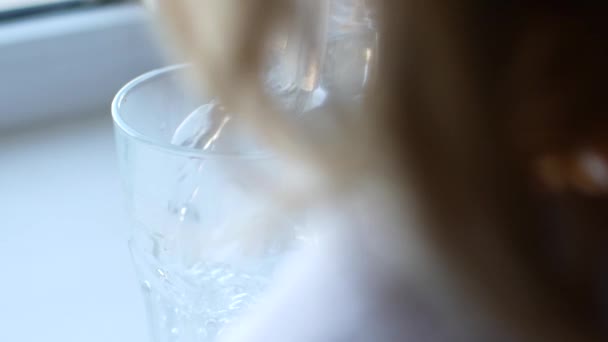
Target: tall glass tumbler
(192, 180)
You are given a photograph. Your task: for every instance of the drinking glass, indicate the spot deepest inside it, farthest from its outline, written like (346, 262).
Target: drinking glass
(192, 178)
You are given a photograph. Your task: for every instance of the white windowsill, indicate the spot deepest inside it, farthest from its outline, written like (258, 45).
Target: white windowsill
(71, 63)
(66, 271)
(67, 274)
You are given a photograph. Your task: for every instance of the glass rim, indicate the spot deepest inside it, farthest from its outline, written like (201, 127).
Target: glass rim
(167, 147)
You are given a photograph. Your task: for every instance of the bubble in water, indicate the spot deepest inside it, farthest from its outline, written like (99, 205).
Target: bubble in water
(146, 286)
(239, 296)
(161, 273)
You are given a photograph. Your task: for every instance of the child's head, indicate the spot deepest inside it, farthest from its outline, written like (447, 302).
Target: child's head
(493, 112)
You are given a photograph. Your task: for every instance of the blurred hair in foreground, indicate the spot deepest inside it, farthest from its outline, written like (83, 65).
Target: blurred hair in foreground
(491, 112)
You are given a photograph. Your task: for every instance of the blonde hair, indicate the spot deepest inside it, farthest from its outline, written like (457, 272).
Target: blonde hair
(435, 122)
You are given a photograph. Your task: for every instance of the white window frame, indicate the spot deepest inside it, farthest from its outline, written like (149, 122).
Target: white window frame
(72, 62)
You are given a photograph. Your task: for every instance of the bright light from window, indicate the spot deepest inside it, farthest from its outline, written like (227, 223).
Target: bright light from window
(8, 5)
